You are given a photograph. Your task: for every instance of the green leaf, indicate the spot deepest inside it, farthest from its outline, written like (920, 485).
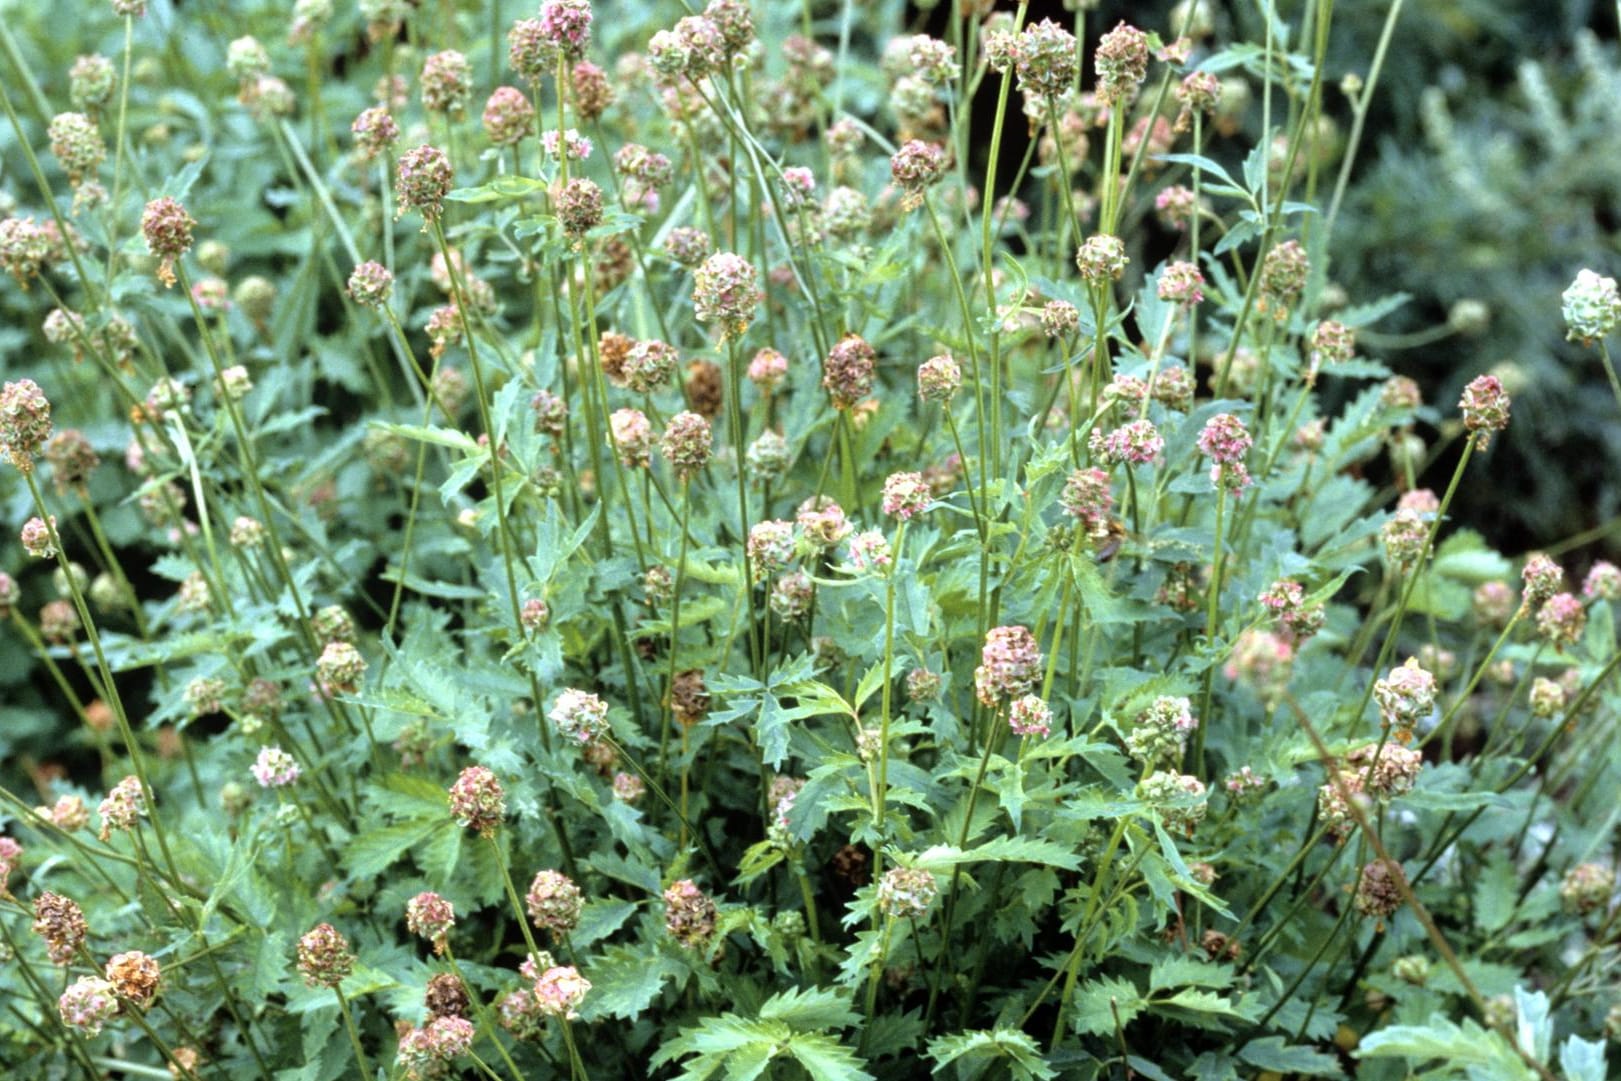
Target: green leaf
(811, 1008)
(1097, 1002)
(826, 1059)
(1272, 1053)
(599, 919)
(1017, 1050)
(625, 981)
(1496, 895)
(371, 853)
(1001, 850)
(1180, 971)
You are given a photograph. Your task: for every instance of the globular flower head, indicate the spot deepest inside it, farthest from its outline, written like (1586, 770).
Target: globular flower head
(1405, 696)
(870, 551)
(791, 596)
(1404, 537)
(1225, 441)
(1331, 343)
(134, 976)
(60, 922)
(767, 369)
(593, 93)
(1493, 603)
(88, 1004)
(1283, 279)
(565, 25)
(375, 131)
(771, 546)
(1199, 92)
(339, 669)
(848, 371)
(823, 521)
(91, 82)
(1101, 260)
(447, 80)
(915, 167)
(688, 246)
(906, 495)
(1030, 715)
(1087, 498)
(421, 182)
(1160, 732)
(123, 806)
(508, 117)
(426, 1053)
(1136, 442)
(432, 917)
(1182, 283)
(579, 206)
(1180, 799)
(686, 444)
(1121, 61)
(767, 458)
(76, 142)
(689, 914)
(923, 685)
(1603, 582)
(1592, 307)
(1386, 771)
(1059, 318)
(477, 800)
(1045, 61)
(560, 990)
(906, 892)
(1379, 888)
(554, 902)
(580, 715)
(1010, 664)
(371, 284)
(1561, 620)
(1541, 578)
(1485, 407)
(725, 291)
(1587, 887)
(446, 996)
(25, 248)
(25, 423)
(938, 378)
(275, 768)
(568, 144)
(167, 229)
(632, 436)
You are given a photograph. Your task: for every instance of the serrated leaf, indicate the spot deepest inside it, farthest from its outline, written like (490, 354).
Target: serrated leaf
(1015, 1049)
(1271, 1053)
(810, 1008)
(1098, 1001)
(625, 981)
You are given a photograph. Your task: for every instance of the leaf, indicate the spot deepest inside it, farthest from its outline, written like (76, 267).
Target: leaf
(1496, 895)
(371, 853)
(826, 1059)
(599, 919)
(1180, 971)
(1097, 1001)
(1452, 801)
(625, 981)
(1201, 163)
(811, 1008)
(1017, 1050)
(1271, 1053)
(1001, 850)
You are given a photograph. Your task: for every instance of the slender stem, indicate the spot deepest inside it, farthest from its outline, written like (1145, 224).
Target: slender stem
(354, 1034)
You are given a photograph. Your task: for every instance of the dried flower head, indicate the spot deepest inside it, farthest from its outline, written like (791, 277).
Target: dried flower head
(1121, 61)
(847, 372)
(25, 423)
(560, 990)
(906, 495)
(60, 922)
(134, 976)
(689, 914)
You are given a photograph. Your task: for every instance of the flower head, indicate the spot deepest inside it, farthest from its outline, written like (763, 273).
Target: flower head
(1485, 406)
(60, 922)
(1592, 307)
(554, 902)
(422, 181)
(689, 914)
(906, 495)
(1010, 664)
(432, 917)
(580, 715)
(477, 800)
(1044, 59)
(134, 976)
(88, 1004)
(725, 291)
(167, 228)
(324, 956)
(1121, 61)
(275, 768)
(560, 990)
(686, 444)
(1405, 696)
